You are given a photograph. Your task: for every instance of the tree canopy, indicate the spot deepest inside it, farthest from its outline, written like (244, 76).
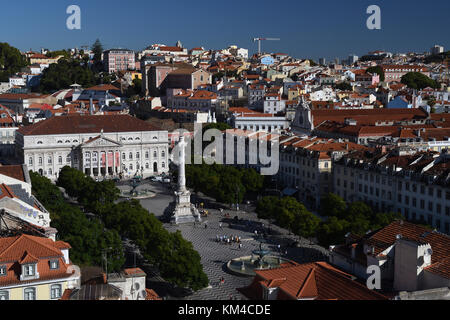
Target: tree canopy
(378, 70)
(417, 80)
(65, 73)
(11, 61)
(89, 238)
(288, 213)
(174, 256)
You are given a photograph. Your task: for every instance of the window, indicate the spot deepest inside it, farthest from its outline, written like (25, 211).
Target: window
(40, 160)
(54, 264)
(3, 270)
(30, 161)
(60, 160)
(146, 155)
(124, 156)
(49, 160)
(29, 294)
(29, 270)
(154, 154)
(68, 159)
(163, 154)
(137, 155)
(4, 295)
(131, 155)
(163, 165)
(55, 291)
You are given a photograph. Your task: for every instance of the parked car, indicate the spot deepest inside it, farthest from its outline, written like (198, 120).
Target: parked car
(166, 180)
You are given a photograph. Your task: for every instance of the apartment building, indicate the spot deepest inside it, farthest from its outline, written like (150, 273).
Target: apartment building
(116, 60)
(412, 183)
(306, 164)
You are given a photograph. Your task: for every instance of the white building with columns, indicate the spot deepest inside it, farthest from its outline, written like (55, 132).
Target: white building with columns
(101, 146)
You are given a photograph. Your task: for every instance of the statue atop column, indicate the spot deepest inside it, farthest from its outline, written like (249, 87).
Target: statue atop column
(184, 211)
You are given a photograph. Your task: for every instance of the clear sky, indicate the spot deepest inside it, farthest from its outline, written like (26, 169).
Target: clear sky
(308, 29)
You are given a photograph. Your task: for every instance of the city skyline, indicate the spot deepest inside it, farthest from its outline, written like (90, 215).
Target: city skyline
(306, 31)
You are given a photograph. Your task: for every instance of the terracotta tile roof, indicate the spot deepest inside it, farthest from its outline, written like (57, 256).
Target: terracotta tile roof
(317, 280)
(152, 295)
(13, 171)
(134, 271)
(367, 116)
(102, 87)
(72, 124)
(26, 249)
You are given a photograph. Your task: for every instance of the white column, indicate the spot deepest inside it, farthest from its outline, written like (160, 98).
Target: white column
(181, 170)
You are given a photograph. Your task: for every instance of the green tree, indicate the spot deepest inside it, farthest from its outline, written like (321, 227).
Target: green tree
(417, 80)
(11, 61)
(345, 86)
(378, 70)
(97, 49)
(332, 231)
(63, 74)
(332, 205)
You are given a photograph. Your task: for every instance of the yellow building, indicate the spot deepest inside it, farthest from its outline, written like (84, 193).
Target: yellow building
(41, 59)
(35, 268)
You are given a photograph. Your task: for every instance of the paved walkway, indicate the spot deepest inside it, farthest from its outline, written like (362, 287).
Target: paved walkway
(214, 255)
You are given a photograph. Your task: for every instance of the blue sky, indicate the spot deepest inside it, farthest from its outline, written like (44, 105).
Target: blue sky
(308, 29)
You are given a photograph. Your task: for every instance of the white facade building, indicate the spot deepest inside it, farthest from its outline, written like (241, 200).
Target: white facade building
(100, 146)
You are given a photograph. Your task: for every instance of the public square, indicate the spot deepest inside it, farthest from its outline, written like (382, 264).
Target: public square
(215, 255)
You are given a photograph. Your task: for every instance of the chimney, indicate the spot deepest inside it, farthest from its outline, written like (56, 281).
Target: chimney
(91, 106)
(354, 251)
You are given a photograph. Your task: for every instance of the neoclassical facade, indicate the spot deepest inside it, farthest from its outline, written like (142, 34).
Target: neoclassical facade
(111, 146)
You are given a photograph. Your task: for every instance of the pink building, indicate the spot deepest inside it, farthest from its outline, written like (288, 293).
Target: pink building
(116, 60)
(396, 72)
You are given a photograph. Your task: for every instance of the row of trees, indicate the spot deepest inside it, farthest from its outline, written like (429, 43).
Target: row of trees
(174, 256)
(340, 217)
(288, 213)
(226, 184)
(89, 238)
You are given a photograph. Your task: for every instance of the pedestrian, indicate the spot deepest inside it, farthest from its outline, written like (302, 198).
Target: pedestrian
(222, 280)
(278, 248)
(240, 246)
(220, 225)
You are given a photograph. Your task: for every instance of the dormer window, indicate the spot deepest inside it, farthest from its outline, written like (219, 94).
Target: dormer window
(54, 264)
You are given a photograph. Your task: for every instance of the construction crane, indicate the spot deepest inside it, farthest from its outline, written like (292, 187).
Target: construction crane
(259, 42)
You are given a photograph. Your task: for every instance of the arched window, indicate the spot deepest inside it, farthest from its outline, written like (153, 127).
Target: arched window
(30, 161)
(50, 172)
(131, 166)
(163, 165)
(60, 141)
(137, 138)
(137, 155)
(124, 156)
(147, 166)
(29, 294)
(40, 160)
(163, 153)
(146, 154)
(49, 160)
(155, 154)
(60, 160)
(131, 155)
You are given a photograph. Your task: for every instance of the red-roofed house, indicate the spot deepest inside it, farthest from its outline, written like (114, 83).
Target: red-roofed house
(35, 268)
(309, 281)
